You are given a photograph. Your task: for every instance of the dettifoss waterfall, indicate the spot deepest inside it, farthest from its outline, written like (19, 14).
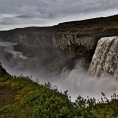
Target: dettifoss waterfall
(105, 60)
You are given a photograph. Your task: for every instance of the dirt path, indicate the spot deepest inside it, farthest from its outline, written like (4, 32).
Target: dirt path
(6, 96)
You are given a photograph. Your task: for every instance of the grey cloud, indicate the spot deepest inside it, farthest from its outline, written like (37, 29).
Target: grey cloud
(7, 21)
(23, 16)
(44, 11)
(56, 6)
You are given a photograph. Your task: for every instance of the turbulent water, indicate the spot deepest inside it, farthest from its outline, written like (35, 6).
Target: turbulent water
(16, 60)
(105, 59)
(78, 82)
(10, 49)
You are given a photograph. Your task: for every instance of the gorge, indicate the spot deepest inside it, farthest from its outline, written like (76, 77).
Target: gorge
(62, 55)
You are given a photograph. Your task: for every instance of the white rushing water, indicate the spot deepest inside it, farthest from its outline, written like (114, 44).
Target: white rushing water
(105, 60)
(78, 82)
(10, 49)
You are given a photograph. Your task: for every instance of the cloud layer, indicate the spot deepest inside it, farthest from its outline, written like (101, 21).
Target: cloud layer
(22, 13)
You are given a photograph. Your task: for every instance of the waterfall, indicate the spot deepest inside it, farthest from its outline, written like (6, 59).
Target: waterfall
(105, 58)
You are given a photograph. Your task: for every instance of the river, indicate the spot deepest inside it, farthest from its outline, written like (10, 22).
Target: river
(10, 49)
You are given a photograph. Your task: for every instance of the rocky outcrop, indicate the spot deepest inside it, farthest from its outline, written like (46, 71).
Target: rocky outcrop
(105, 59)
(2, 71)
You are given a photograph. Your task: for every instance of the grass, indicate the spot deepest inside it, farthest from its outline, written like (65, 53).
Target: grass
(27, 99)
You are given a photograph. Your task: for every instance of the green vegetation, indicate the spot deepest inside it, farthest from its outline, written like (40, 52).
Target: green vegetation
(30, 100)
(15, 39)
(24, 98)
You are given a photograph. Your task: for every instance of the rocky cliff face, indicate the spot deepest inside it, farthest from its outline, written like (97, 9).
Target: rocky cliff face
(62, 44)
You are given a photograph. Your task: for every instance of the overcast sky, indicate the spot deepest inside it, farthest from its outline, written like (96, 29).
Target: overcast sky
(21, 13)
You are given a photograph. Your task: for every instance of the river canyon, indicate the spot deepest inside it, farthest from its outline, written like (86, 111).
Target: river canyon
(80, 56)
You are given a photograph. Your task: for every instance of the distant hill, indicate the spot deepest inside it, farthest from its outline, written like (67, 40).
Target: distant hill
(110, 21)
